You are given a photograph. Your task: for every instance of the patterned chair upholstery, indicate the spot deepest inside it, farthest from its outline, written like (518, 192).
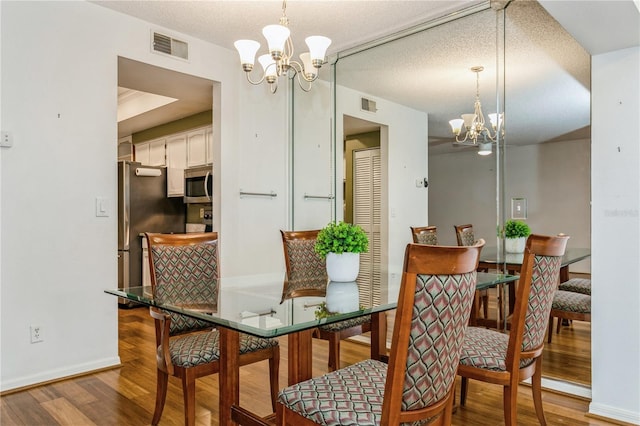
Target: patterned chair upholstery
(568, 305)
(425, 235)
(466, 237)
(434, 304)
(307, 276)
(493, 357)
(184, 272)
(577, 285)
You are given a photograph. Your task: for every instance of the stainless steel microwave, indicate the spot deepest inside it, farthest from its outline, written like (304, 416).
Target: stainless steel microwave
(198, 185)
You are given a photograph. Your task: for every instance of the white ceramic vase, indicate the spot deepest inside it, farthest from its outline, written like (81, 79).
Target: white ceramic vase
(515, 245)
(342, 297)
(343, 267)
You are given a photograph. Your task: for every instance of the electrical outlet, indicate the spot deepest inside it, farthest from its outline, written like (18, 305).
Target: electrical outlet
(36, 334)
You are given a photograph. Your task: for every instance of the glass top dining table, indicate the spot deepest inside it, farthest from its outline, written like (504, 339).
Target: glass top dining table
(258, 306)
(255, 304)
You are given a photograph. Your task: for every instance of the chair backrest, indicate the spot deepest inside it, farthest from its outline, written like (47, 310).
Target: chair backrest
(539, 275)
(436, 294)
(464, 235)
(184, 271)
(425, 235)
(306, 270)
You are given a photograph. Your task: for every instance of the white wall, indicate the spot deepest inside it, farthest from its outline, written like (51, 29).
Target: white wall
(403, 142)
(59, 99)
(615, 165)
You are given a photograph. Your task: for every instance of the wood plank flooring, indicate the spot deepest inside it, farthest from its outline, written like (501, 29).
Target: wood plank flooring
(126, 395)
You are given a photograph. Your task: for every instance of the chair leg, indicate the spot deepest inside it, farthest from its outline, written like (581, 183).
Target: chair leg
(510, 401)
(550, 330)
(274, 371)
(334, 351)
(485, 304)
(189, 394)
(161, 395)
(448, 409)
(536, 388)
(463, 390)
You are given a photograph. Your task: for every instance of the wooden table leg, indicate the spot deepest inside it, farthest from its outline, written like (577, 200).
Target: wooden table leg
(378, 335)
(300, 356)
(229, 374)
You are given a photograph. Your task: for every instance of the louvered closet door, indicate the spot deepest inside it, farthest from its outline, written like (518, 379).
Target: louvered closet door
(366, 213)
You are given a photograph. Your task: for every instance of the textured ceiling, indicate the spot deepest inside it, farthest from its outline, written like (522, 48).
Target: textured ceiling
(547, 79)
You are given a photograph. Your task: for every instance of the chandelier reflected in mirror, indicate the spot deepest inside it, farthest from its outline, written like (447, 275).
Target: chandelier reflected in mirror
(476, 133)
(278, 62)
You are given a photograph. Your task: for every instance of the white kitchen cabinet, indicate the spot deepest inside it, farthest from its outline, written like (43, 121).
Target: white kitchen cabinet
(208, 138)
(157, 155)
(176, 147)
(151, 153)
(196, 148)
(142, 153)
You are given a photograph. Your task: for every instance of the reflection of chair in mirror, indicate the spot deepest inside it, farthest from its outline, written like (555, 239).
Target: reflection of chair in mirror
(466, 237)
(571, 306)
(307, 276)
(434, 303)
(425, 235)
(493, 357)
(184, 272)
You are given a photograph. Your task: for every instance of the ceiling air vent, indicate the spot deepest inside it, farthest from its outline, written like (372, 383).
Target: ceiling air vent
(170, 46)
(368, 105)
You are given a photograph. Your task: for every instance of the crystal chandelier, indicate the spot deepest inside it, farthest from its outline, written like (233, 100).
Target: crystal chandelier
(476, 133)
(278, 62)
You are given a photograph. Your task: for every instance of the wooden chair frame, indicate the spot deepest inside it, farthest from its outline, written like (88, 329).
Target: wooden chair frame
(188, 376)
(333, 337)
(417, 231)
(419, 259)
(509, 379)
(482, 296)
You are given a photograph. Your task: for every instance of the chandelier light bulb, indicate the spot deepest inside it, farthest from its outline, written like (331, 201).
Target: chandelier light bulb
(269, 67)
(276, 36)
(308, 68)
(318, 46)
(247, 50)
(456, 125)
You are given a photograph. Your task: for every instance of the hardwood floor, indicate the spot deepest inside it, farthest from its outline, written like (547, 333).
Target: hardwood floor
(126, 395)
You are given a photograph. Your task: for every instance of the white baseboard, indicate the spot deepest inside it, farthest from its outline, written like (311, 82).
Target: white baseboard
(58, 374)
(614, 413)
(565, 387)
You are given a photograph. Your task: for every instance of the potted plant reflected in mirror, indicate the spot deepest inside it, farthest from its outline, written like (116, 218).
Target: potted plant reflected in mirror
(341, 244)
(515, 236)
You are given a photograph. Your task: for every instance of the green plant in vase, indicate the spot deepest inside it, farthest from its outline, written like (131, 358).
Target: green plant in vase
(515, 235)
(341, 244)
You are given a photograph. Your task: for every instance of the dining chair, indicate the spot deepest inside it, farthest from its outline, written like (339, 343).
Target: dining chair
(425, 235)
(466, 237)
(568, 305)
(418, 384)
(307, 276)
(184, 272)
(506, 359)
(577, 285)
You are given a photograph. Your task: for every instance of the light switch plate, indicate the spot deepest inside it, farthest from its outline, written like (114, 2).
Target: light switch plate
(518, 208)
(102, 207)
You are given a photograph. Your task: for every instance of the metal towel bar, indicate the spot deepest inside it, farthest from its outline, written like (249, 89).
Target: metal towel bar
(271, 194)
(318, 197)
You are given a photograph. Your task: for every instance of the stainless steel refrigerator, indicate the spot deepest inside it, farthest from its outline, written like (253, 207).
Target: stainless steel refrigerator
(143, 206)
